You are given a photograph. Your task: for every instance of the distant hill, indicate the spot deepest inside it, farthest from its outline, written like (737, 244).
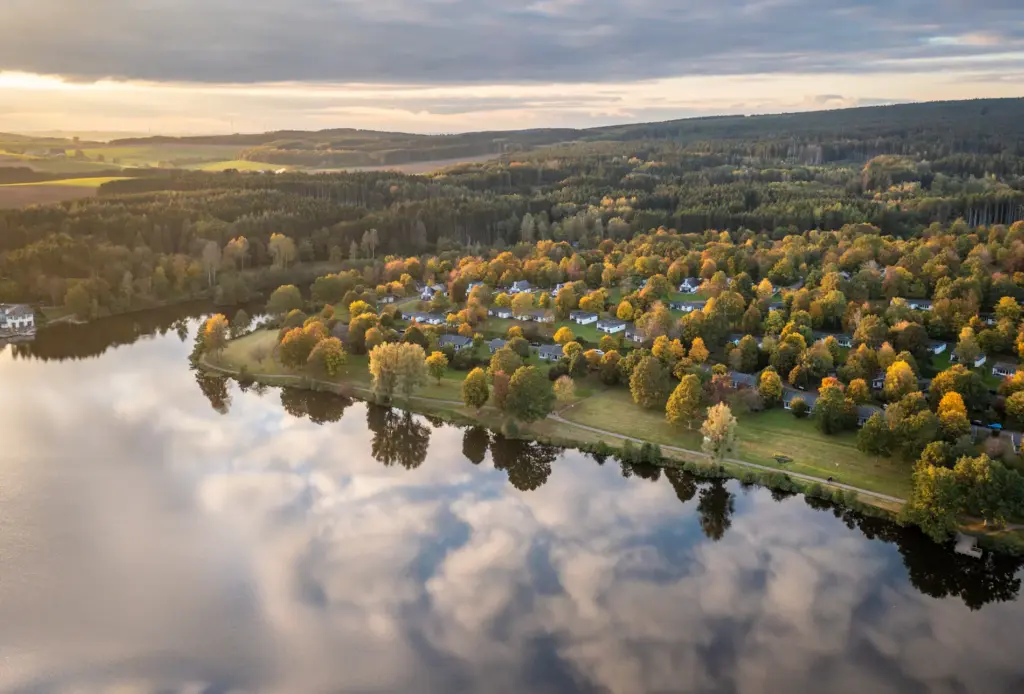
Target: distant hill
(349, 147)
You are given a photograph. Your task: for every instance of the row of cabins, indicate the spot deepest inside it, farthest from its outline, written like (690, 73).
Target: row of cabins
(17, 318)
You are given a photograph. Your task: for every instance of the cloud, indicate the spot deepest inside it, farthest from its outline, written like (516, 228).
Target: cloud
(487, 41)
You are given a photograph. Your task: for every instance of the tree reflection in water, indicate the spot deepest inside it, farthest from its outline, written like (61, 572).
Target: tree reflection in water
(475, 442)
(321, 408)
(215, 388)
(715, 507)
(683, 482)
(397, 437)
(528, 464)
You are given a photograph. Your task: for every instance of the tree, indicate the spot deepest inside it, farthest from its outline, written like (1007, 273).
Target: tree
(609, 368)
(298, 343)
(967, 349)
(935, 502)
(963, 380)
(565, 389)
(282, 250)
(769, 386)
(284, 299)
(475, 390)
(415, 335)
(565, 302)
(328, 356)
(437, 364)
(530, 396)
(833, 412)
(240, 323)
(874, 437)
(749, 354)
(899, 381)
(798, 406)
(858, 391)
(504, 361)
(564, 335)
(215, 334)
(397, 367)
(1008, 309)
(719, 430)
(624, 311)
(359, 307)
(953, 416)
(500, 383)
(522, 304)
(698, 352)
(1015, 406)
(358, 328)
(686, 402)
(649, 383)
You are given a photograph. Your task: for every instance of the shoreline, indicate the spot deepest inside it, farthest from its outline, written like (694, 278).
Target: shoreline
(1009, 539)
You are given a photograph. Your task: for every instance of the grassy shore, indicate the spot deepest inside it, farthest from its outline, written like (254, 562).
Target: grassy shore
(762, 435)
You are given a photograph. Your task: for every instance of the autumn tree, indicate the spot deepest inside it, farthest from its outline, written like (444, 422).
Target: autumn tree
(522, 304)
(437, 364)
(698, 352)
(215, 334)
(899, 381)
(564, 335)
(284, 299)
(397, 367)
(565, 389)
(475, 390)
(328, 357)
(649, 383)
(719, 430)
(769, 386)
(967, 348)
(530, 396)
(504, 361)
(686, 402)
(833, 412)
(953, 416)
(298, 343)
(282, 250)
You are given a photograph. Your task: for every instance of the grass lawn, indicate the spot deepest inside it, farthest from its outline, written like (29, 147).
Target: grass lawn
(762, 435)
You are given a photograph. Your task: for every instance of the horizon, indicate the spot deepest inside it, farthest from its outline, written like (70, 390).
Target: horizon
(452, 66)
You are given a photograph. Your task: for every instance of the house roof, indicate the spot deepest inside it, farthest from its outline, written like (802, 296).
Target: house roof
(743, 379)
(610, 323)
(550, 350)
(497, 343)
(865, 411)
(809, 398)
(457, 340)
(694, 304)
(582, 314)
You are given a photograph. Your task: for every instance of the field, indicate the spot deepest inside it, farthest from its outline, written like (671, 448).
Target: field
(419, 167)
(239, 164)
(24, 194)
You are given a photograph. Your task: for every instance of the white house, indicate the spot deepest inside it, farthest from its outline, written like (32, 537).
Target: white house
(690, 285)
(954, 358)
(17, 318)
(687, 306)
(550, 352)
(559, 287)
(1004, 369)
(520, 286)
(611, 326)
(430, 290)
(583, 317)
(936, 347)
(633, 335)
(427, 318)
(499, 312)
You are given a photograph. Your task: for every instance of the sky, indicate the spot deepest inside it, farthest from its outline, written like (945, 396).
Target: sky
(214, 66)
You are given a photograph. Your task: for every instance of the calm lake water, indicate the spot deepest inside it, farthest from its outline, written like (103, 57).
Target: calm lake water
(163, 533)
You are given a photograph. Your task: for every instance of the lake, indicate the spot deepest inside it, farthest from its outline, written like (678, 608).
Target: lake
(163, 532)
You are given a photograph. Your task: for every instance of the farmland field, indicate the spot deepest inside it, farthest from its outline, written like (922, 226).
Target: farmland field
(24, 194)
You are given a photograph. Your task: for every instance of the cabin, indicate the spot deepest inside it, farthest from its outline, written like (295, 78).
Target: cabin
(520, 287)
(776, 306)
(611, 327)
(427, 318)
(558, 287)
(549, 352)
(1004, 369)
(790, 395)
(742, 380)
(841, 339)
(687, 306)
(496, 344)
(878, 381)
(17, 318)
(499, 312)
(918, 304)
(936, 347)
(980, 360)
(583, 317)
(690, 285)
(459, 342)
(633, 335)
(387, 299)
(473, 285)
(538, 315)
(865, 412)
(431, 290)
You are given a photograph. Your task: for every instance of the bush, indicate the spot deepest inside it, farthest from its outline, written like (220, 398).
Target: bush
(799, 407)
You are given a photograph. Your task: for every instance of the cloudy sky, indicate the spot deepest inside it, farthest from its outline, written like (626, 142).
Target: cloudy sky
(451, 65)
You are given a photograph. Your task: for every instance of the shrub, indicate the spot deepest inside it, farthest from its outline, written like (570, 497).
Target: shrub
(799, 407)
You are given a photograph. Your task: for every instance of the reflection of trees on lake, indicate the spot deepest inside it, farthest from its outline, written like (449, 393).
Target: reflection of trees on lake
(321, 408)
(397, 437)
(475, 441)
(181, 328)
(715, 507)
(528, 464)
(642, 470)
(936, 570)
(215, 388)
(683, 482)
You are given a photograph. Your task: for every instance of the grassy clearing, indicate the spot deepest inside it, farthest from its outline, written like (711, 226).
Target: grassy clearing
(762, 436)
(239, 164)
